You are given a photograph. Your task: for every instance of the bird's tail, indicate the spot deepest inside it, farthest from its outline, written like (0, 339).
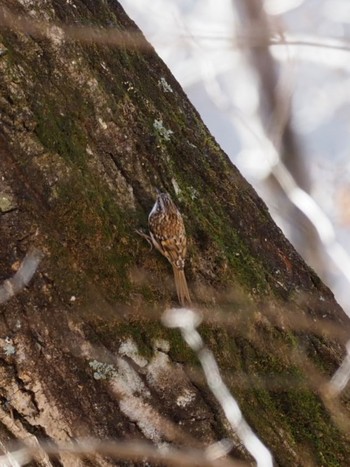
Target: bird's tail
(181, 286)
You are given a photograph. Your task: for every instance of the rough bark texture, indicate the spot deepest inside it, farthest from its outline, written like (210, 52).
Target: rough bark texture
(87, 133)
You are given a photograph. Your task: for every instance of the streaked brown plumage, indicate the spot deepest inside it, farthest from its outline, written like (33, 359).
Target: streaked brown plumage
(168, 235)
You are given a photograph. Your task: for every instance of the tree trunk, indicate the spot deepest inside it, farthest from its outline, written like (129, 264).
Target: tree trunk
(88, 131)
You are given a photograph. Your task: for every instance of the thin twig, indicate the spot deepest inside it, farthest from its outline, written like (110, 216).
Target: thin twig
(187, 321)
(11, 287)
(121, 450)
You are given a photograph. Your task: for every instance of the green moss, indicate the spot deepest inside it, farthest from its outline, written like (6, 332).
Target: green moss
(10, 56)
(298, 412)
(144, 333)
(86, 211)
(72, 282)
(311, 426)
(60, 133)
(85, 208)
(132, 329)
(316, 349)
(179, 350)
(243, 267)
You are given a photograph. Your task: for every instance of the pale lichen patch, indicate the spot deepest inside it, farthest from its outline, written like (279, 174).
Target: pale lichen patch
(102, 370)
(163, 132)
(164, 85)
(7, 203)
(8, 346)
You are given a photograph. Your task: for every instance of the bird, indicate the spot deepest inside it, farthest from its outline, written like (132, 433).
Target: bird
(168, 235)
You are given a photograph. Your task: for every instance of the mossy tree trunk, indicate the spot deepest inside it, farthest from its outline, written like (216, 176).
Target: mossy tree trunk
(87, 133)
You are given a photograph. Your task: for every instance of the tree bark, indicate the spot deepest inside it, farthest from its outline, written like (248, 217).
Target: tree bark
(88, 131)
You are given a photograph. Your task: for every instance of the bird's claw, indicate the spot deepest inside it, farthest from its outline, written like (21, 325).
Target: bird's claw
(145, 236)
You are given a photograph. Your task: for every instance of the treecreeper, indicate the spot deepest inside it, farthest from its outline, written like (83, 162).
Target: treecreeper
(168, 235)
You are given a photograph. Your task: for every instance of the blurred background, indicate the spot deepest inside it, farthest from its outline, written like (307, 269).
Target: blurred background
(271, 81)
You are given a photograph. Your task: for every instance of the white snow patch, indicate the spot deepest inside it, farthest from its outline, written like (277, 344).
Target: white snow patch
(70, 2)
(158, 368)
(144, 415)
(104, 66)
(93, 84)
(176, 186)
(185, 398)
(27, 3)
(130, 86)
(130, 390)
(161, 344)
(56, 34)
(129, 348)
(193, 193)
(125, 377)
(129, 381)
(103, 124)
